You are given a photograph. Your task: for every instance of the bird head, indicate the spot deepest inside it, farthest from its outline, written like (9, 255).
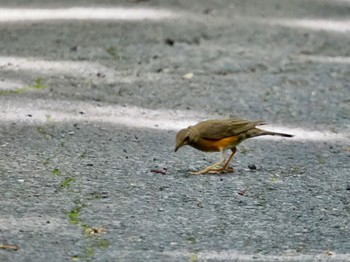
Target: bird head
(183, 137)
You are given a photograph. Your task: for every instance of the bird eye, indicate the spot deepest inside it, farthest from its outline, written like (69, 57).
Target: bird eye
(187, 138)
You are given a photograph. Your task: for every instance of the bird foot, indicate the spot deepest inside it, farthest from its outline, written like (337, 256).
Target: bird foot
(214, 171)
(207, 169)
(221, 170)
(198, 172)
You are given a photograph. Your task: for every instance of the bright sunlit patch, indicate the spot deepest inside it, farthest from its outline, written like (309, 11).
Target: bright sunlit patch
(131, 116)
(337, 2)
(341, 26)
(234, 255)
(6, 84)
(319, 24)
(321, 59)
(82, 13)
(66, 111)
(80, 68)
(304, 134)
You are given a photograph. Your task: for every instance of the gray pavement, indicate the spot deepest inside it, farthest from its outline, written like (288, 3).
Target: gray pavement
(90, 102)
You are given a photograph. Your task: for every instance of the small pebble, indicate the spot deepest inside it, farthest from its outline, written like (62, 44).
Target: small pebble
(200, 204)
(252, 167)
(169, 42)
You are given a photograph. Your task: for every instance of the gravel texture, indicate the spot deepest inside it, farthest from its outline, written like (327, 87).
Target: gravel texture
(90, 102)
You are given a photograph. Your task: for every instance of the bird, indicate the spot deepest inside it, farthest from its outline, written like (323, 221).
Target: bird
(219, 135)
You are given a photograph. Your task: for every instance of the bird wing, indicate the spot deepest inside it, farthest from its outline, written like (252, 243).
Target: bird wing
(217, 129)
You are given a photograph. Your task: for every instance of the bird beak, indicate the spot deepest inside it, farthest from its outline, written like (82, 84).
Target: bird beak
(177, 147)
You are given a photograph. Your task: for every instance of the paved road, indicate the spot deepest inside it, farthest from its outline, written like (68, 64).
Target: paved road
(93, 92)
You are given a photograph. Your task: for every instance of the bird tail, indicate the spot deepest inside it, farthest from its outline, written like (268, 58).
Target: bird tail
(278, 134)
(259, 132)
(269, 133)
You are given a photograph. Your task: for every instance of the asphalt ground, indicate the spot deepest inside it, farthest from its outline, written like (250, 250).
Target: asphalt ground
(90, 102)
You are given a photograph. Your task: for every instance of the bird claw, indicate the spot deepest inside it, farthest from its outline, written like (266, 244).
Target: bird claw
(207, 169)
(198, 172)
(221, 170)
(213, 171)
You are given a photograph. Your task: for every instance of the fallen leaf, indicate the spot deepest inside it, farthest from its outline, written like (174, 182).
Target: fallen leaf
(329, 253)
(200, 204)
(188, 76)
(9, 247)
(242, 192)
(95, 230)
(160, 171)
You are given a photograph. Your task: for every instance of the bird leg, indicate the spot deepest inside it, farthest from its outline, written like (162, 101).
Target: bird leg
(225, 168)
(207, 169)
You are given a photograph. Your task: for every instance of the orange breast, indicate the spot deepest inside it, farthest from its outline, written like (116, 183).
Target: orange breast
(209, 145)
